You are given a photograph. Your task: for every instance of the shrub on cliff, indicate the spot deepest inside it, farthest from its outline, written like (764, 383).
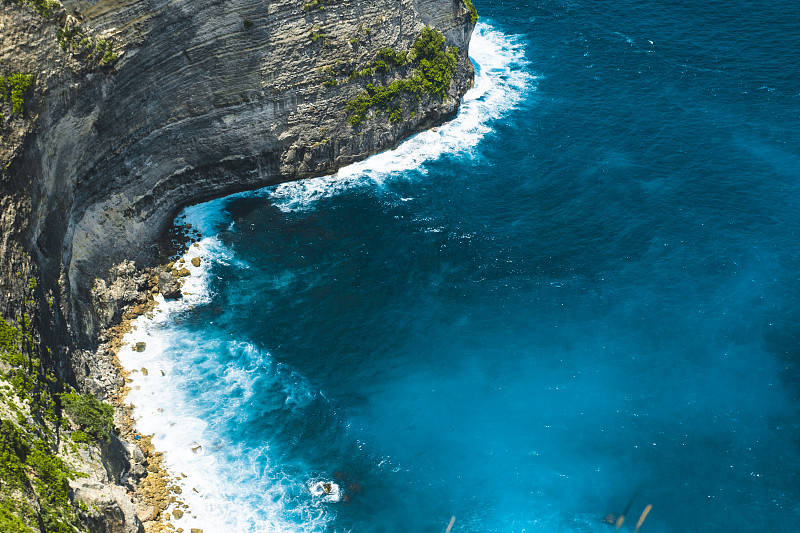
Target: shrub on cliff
(434, 68)
(43, 8)
(390, 56)
(436, 65)
(9, 345)
(29, 466)
(93, 417)
(14, 88)
(473, 13)
(13, 455)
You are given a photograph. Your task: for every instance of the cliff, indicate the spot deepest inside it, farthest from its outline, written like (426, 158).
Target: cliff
(204, 98)
(118, 113)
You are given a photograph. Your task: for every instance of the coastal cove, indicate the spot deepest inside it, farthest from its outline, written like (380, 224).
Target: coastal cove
(580, 290)
(114, 117)
(161, 390)
(370, 267)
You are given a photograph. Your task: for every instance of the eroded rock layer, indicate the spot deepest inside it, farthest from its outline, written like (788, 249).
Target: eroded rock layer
(198, 99)
(113, 116)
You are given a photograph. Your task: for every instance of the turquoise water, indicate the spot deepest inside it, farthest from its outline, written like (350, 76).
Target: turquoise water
(583, 289)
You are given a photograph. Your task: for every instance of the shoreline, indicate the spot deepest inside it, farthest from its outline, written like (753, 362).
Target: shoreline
(156, 493)
(159, 492)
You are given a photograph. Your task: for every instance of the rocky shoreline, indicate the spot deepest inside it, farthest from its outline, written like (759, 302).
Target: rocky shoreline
(119, 114)
(156, 494)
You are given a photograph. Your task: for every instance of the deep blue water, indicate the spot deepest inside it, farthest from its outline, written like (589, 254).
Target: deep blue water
(587, 289)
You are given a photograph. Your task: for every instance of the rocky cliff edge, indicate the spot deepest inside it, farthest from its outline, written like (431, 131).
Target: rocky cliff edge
(115, 114)
(140, 107)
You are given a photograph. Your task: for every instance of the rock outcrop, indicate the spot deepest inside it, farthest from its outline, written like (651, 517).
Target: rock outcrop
(115, 114)
(200, 98)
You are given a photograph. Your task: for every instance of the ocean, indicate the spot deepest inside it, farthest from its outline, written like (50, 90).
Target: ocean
(578, 296)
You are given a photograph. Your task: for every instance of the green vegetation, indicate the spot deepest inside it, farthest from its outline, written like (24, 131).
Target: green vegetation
(30, 382)
(396, 115)
(13, 454)
(81, 437)
(43, 7)
(66, 37)
(94, 418)
(9, 345)
(361, 73)
(386, 60)
(14, 89)
(389, 56)
(473, 13)
(9, 521)
(98, 51)
(434, 68)
(105, 51)
(435, 65)
(34, 480)
(317, 35)
(36, 471)
(308, 6)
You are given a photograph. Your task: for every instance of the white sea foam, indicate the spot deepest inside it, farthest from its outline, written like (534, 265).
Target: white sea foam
(501, 82)
(229, 488)
(217, 476)
(226, 487)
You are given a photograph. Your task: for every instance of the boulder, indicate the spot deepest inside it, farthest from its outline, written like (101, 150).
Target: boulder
(169, 285)
(109, 508)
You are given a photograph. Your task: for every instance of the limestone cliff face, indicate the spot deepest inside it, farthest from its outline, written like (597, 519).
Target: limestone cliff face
(135, 109)
(207, 97)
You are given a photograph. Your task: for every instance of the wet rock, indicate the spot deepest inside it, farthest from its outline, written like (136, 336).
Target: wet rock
(140, 347)
(196, 261)
(178, 514)
(169, 285)
(182, 273)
